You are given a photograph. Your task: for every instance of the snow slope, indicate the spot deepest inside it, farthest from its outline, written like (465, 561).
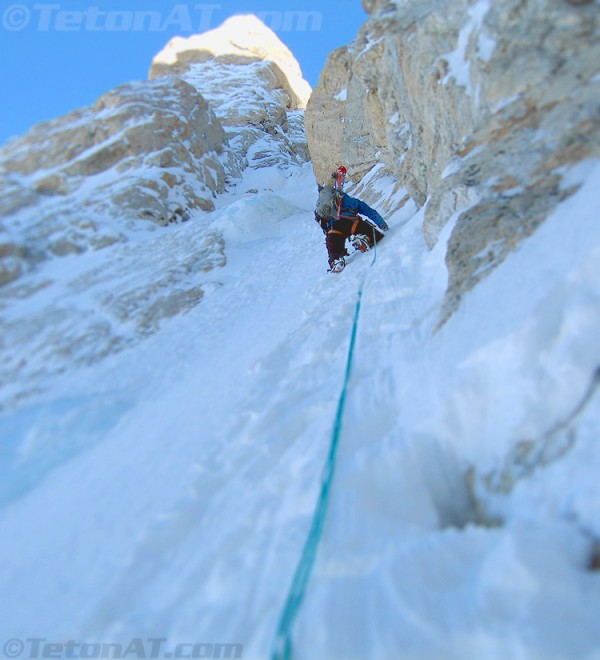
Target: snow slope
(166, 490)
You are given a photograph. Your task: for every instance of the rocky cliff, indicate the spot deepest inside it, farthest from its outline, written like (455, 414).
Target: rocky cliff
(475, 108)
(147, 154)
(153, 150)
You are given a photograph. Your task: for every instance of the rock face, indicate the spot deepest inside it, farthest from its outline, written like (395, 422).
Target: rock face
(144, 151)
(155, 150)
(470, 105)
(240, 40)
(102, 179)
(123, 145)
(252, 81)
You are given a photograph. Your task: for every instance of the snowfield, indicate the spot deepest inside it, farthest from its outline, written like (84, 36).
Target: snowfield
(166, 490)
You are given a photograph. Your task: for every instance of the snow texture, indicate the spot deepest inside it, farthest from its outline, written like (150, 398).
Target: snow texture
(167, 489)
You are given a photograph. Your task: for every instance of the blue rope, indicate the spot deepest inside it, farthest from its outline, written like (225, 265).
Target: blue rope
(282, 648)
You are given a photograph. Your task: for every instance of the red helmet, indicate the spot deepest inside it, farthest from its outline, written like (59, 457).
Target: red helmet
(342, 170)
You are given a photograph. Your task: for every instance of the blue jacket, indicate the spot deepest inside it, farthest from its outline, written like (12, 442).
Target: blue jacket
(351, 206)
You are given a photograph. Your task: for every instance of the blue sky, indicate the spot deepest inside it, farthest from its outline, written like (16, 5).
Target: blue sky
(59, 55)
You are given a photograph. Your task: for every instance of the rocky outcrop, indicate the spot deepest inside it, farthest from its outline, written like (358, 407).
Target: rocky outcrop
(128, 131)
(241, 40)
(157, 150)
(143, 151)
(91, 188)
(251, 80)
(471, 106)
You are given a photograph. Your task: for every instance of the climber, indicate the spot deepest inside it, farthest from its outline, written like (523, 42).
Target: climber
(338, 215)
